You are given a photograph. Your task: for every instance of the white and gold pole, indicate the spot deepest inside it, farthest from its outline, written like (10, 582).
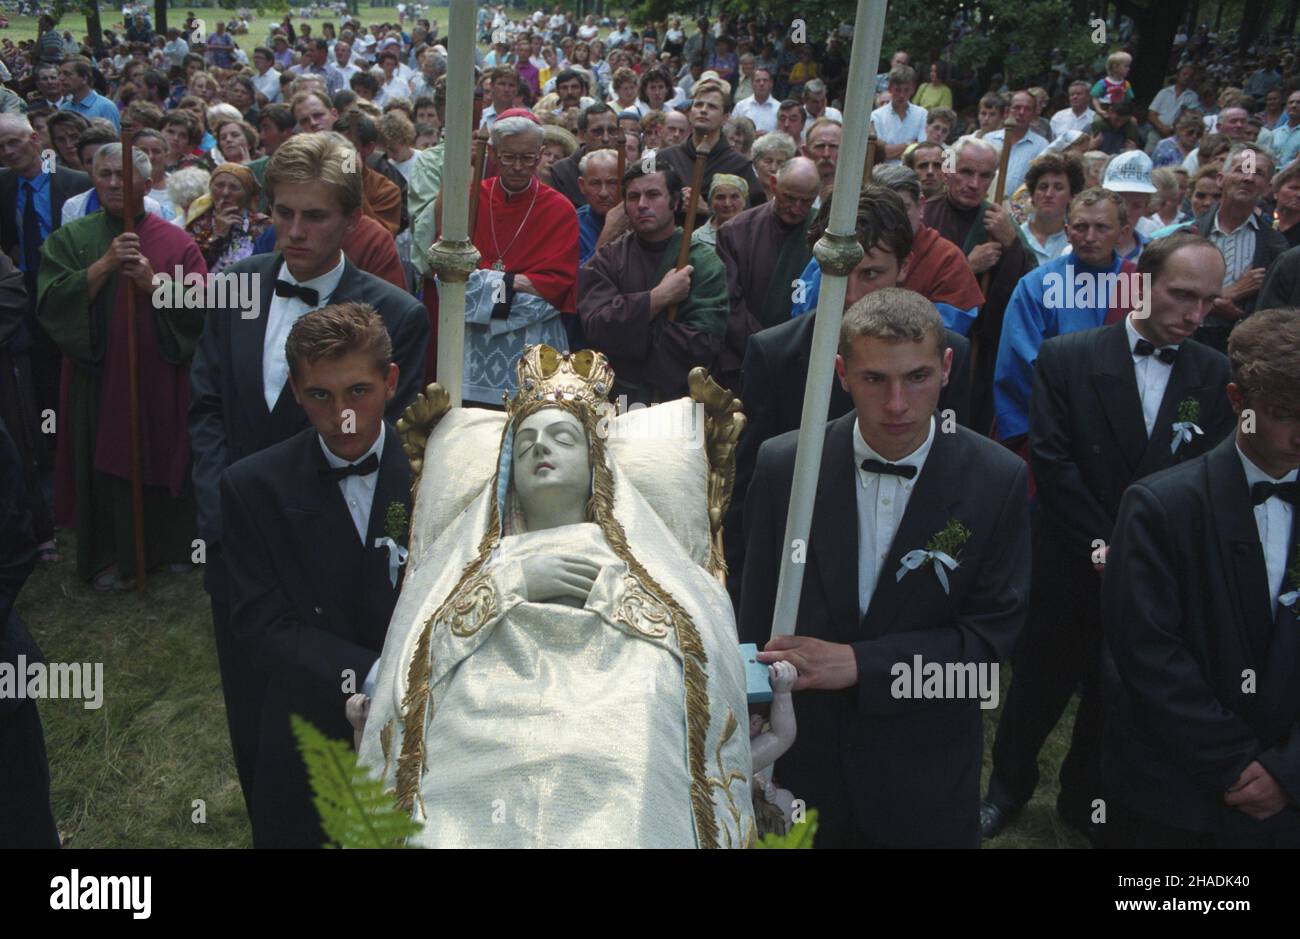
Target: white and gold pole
(837, 252)
(454, 256)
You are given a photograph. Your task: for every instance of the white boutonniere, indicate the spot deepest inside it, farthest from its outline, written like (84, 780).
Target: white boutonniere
(942, 551)
(395, 525)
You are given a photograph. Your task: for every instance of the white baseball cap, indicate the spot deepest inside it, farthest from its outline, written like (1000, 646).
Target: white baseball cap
(1128, 172)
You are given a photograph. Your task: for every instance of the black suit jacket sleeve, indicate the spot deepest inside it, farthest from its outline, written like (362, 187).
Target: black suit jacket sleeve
(985, 627)
(1279, 288)
(1141, 616)
(207, 426)
(1061, 487)
(1283, 764)
(17, 558)
(410, 339)
(264, 615)
(764, 527)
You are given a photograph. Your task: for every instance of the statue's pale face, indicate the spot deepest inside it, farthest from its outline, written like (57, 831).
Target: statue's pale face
(550, 458)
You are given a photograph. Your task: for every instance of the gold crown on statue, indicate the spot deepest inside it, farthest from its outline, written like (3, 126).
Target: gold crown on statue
(545, 373)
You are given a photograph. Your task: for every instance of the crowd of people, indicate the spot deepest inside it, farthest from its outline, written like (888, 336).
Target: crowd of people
(985, 353)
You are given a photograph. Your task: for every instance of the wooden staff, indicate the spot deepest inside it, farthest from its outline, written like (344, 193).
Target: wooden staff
(684, 250)
(480, 153)
(622, 168)
(133, 367)
(874, 156)
(982, 323)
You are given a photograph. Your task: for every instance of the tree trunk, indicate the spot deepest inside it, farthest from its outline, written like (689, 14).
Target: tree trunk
(1288, 22)
(1156, 27)
(1218, 16)
(1192, 11)
(94, 28)
(160, 17)
(1253, 21)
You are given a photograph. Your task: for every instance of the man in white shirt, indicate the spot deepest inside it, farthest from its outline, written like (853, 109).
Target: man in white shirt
(176, 48)
(760, 107)
(343, 65)
(814, 104)
(1171, 100)
(899, 122)
(1024, 109)
(1078, 116)
(267, 80)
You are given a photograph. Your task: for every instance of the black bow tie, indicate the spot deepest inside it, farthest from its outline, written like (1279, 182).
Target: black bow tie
(1287, 492)
(367, 466)
(306, 294)
(1165, 354)
(894, 469)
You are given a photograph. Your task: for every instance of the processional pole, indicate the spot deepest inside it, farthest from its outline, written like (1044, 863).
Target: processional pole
(454, 257)
(133, 368)
(837, 252)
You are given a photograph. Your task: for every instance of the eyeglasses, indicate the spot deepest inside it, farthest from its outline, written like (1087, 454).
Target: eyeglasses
(518, 159)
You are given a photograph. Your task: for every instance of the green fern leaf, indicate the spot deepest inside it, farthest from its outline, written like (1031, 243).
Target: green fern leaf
(354, 809)
(800, 836)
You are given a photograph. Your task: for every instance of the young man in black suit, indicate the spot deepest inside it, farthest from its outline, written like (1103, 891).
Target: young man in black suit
(1199, 609)
(776, 359)
(312, 583)
(25, 818)
(241, 400)
(1103, 413)
(882, 765)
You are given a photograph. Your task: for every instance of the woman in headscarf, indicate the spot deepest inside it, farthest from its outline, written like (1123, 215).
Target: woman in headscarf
(223, 223)
(728, 197)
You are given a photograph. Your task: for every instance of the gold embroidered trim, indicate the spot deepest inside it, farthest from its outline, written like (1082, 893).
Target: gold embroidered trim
(724, 781)
(640, 611)
(474, 608)
(386, 744)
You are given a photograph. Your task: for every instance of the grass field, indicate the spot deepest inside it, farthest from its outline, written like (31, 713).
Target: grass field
(127, 775)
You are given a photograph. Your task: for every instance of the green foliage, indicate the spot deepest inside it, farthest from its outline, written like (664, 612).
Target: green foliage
(950, 540)
(354, 809)
(396, 522)
(1189, 410)
(800, 836)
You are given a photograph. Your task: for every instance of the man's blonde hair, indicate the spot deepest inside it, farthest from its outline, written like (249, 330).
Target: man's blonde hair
(320, 159)
(335, 331)
(894, 314)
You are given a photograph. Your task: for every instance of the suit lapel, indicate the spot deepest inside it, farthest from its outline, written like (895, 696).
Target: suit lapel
(329, 539)
(247, 339)
(1115, 382)
(1243, 555)
(937, 492)
(834, 535)
(1184, 379)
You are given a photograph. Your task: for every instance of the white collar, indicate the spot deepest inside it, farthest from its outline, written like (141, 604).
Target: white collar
(1256, 475)
(324, 285)
(337, 461)
(1251, 220)
(1134, 336)
(864, 451)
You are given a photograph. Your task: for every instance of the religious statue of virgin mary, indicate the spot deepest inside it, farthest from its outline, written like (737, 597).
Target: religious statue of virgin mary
(560, 670)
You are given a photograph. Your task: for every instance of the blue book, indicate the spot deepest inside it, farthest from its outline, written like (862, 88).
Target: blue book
(757, 685)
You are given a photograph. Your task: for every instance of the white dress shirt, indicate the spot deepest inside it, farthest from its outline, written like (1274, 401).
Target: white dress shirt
(882, 500)
(892, 129)
(269, 85)
(1067, 120)
(284, 312)
(358, 491)
(1152, 375)
(1273, 519)
(762, 114)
